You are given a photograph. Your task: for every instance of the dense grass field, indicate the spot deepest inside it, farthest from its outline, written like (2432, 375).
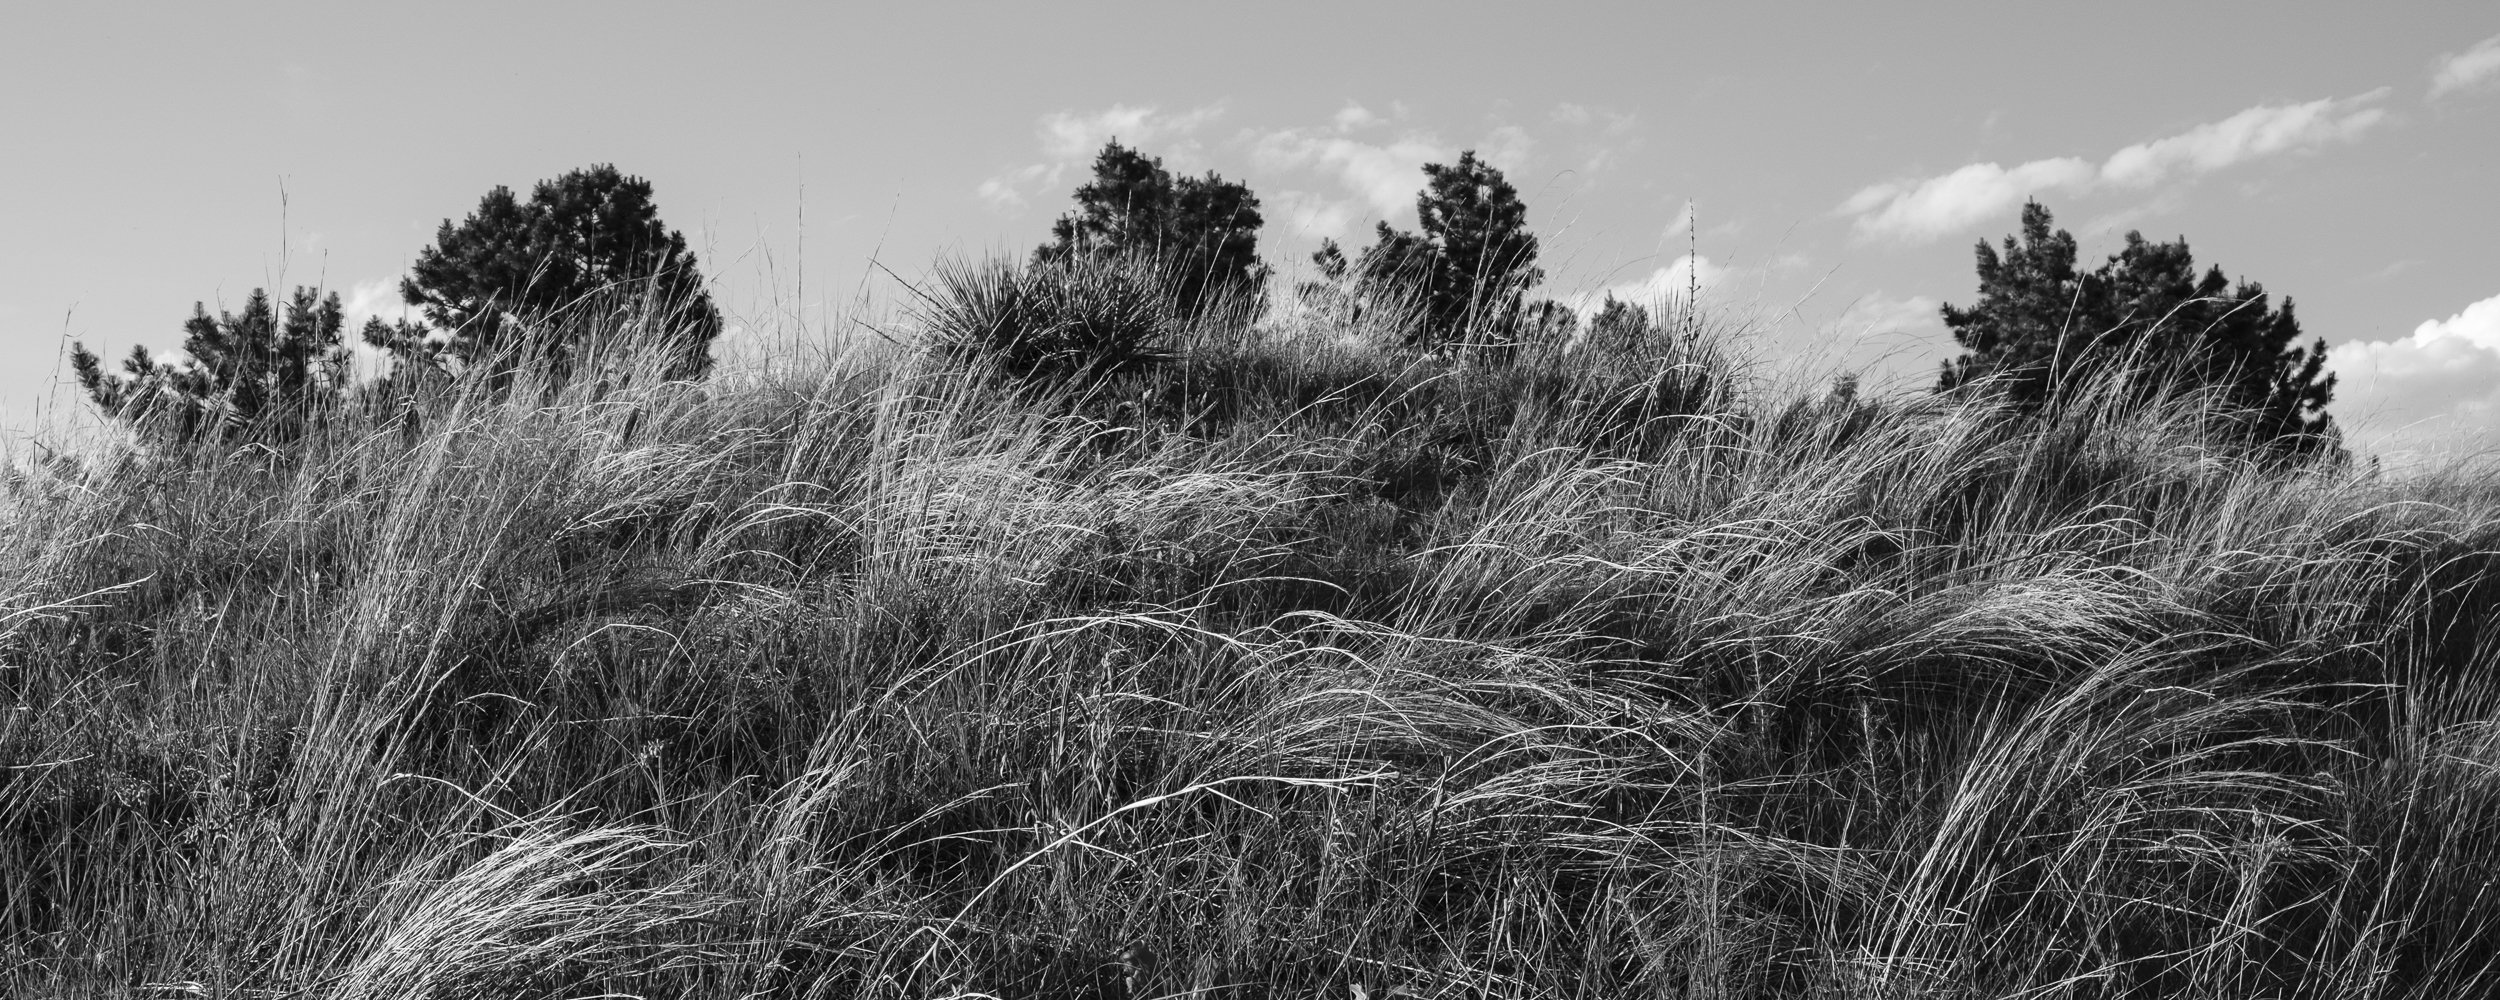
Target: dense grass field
(1298, 666)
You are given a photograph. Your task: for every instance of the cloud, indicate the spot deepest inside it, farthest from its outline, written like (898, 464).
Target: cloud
(1597, 138)
(377, 298)
(1663, 290)
(1878, 315)
(1507, 147)
(1890, 340)
(2433, 388)
(1314, 216)
(2394, 268)
(1382, 165)
(1383, 175)
(1005, 191)
(1071, 136)
(1611, 122)
(2256, 132)
(1918, 211)
(2467, 70)
(1922, 211)
(1070, 139)
(1354, 116)
(373, 298)
(1683, 222)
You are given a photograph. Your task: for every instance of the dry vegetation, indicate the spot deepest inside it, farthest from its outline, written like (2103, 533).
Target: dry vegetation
(1289, 668)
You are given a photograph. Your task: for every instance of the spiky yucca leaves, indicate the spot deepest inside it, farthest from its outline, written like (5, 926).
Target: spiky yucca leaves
(1292, 668)
(1076, 320)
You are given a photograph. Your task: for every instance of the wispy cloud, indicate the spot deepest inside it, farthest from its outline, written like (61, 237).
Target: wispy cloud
(1354, 116)
(1879, 315)
(1069, 139)
(1324, 179)
(1378, 158)
(1507, 146)
(2256, 132)
(1610, 122)
(1070, 135)
(1683, 222)
(1918, 211)
(1006, 191)
(1383, 175)
(2468, 70)
(1663, 289)
(1313, 216)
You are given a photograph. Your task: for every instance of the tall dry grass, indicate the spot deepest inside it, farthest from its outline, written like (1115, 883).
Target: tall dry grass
(1294, 666)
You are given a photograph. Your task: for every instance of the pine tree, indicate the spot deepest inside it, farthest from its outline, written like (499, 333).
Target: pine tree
(1620, 325)
(247, 376)
(2041, 327)
(1202, 232)
(2029, 298)
(1474, 259)
(586, 246)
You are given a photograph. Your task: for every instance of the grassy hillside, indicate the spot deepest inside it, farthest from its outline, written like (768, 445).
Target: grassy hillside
(1291, 668)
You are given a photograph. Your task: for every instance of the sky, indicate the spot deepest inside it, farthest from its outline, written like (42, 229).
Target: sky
(1822, 170)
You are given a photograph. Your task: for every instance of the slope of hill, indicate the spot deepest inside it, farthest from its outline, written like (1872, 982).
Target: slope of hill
(1290, 668)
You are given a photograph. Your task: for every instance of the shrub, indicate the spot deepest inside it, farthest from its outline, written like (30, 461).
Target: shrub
(1079, 321)
(249, 377)
(585, 245)
(1203, 230)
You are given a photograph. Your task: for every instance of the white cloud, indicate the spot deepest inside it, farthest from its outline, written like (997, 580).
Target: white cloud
(1613, 123)
(1878, 315)
(2437, 344)
(1384, 175)
(1000, 194)
(1313, 216)
(1069, 140)
(2258, 131)
(1663, 290)
(1005, 192)
(1923, 210)
(1507, 147)
(1071, 136)
(2394, 268)
(377, 298)
(1889, 340)
(1683, 222)
(1597, 138)
(2433, 388)
(2467, 70)
(1354, 116)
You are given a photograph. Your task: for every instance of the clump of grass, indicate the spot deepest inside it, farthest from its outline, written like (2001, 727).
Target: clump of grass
(1293, 666)
(1080, 321)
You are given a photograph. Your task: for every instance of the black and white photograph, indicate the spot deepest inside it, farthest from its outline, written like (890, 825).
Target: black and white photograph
(1157, 501)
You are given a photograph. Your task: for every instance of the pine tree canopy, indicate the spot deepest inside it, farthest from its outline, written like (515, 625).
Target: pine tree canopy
(247, 376)
(1473, 261)
(2041, 327)
(1620, 324)
(587, 246)
(1203, 232)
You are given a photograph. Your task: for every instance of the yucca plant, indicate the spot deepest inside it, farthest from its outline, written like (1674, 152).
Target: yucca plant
(1083, 319)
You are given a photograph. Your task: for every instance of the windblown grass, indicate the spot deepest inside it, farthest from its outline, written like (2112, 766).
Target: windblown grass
(1287, 667)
